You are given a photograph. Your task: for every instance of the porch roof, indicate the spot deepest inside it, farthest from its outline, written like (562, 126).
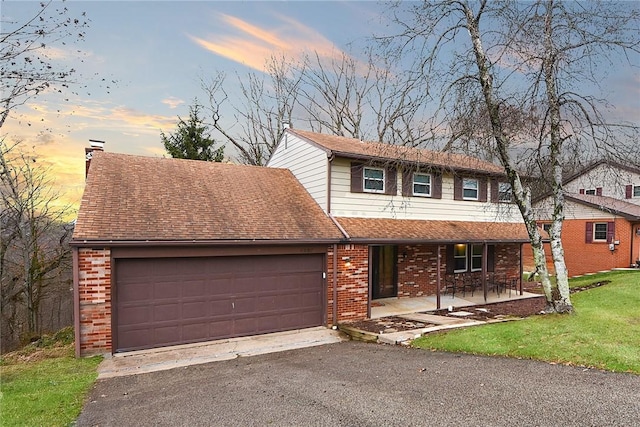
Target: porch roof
(424, 231)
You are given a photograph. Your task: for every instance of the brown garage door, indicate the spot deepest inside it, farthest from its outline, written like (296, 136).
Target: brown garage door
(168, 301)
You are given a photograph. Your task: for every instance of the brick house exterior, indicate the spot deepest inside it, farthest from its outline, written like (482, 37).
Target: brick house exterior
(169, 251)
(601, 230)
(393, 233)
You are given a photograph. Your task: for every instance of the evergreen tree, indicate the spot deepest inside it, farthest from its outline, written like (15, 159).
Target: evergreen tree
(192, 139)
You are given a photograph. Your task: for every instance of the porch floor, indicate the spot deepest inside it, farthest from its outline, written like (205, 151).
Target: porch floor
(394, 306)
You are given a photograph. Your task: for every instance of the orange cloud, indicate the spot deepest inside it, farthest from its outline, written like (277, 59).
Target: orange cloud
(253, 45)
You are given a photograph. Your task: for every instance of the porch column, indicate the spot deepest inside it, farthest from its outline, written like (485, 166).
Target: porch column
(485, 253)
(438, 278)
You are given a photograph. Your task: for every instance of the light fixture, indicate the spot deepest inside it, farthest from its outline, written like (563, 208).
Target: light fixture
(347, 261)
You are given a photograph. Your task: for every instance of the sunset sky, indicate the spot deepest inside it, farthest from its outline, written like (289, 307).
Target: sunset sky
(157, 52)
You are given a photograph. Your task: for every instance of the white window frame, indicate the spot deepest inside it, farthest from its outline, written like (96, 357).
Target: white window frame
(590, 191)
(422, 184)
(457, 257)
(366, 179)
(635, 191)
(466, 186)
(595, 230)
(476, 256)
(504, 195)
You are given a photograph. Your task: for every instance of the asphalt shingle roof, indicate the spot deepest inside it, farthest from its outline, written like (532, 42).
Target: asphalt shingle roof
(608, 204)
(135, 198)
(350, 147)
(432, 231)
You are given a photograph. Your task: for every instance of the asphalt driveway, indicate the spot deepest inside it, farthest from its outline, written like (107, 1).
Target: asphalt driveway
(358, 384)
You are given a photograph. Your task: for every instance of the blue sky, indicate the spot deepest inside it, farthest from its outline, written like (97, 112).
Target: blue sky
(158, 51)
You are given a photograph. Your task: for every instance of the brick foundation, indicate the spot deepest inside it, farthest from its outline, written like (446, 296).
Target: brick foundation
(94, 290)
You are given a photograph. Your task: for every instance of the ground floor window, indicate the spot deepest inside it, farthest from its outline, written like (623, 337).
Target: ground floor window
(460, 258)
(469, 257)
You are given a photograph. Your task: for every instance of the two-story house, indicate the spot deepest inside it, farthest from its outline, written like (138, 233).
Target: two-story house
(169, 251)
(415, 221)
(601, 230)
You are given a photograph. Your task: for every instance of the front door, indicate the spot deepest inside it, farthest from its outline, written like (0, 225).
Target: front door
(384, 271)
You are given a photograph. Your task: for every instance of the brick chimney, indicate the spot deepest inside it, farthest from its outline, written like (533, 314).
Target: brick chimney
(95, 145)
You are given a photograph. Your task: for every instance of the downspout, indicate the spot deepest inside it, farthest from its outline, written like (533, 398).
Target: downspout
(335, 285)
(485, 254)
(76, 298)
(330, 158)
(438, 278)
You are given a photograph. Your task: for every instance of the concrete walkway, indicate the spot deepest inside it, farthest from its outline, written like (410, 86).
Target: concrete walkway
(139, 362)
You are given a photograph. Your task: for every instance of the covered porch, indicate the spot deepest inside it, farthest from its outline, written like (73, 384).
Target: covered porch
(394, 306)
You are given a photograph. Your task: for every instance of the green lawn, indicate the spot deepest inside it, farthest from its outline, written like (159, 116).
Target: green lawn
(49, 391)
(604, 332)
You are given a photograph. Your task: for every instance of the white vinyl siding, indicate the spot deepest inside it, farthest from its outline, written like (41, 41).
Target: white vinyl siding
(308, 164)
(612, 181)
(376, 205)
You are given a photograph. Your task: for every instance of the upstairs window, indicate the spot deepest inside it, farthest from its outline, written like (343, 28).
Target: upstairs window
(636, 191)
(373, 180)
(591, 191)
(421, 184)
(504, 192)
(469, 189)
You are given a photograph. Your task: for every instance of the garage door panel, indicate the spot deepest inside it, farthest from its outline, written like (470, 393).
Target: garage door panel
(133, 315)
(195, 310)
(178, 300)
(167, 312)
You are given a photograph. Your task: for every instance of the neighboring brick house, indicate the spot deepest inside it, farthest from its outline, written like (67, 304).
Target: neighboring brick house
(413, 218)
(601, 230)
(169, 251)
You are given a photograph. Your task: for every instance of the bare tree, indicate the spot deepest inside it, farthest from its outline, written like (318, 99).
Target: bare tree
(254, 125)
(34, 250)
(26, 67)
(366, 99)
(520, 70)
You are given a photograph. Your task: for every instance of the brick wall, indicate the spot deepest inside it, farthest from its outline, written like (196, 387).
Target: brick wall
(353, 282)
(418, 271)
(417, 274)
(582, 257)
(94, 290)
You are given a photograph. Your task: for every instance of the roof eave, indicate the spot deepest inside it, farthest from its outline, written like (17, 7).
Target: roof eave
(195, 242)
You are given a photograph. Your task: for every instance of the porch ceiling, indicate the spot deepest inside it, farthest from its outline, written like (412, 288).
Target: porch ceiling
(423, 231)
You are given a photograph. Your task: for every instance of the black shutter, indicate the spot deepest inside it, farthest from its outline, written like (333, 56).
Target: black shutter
(450, 260)
(436, 186)
(494, 191)
(407, 182)
(356, 177)
(628, 191)
(588, 233)
(482, 190)
(598, 191)
(457, 188)
(611, 231)
(390, 181)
